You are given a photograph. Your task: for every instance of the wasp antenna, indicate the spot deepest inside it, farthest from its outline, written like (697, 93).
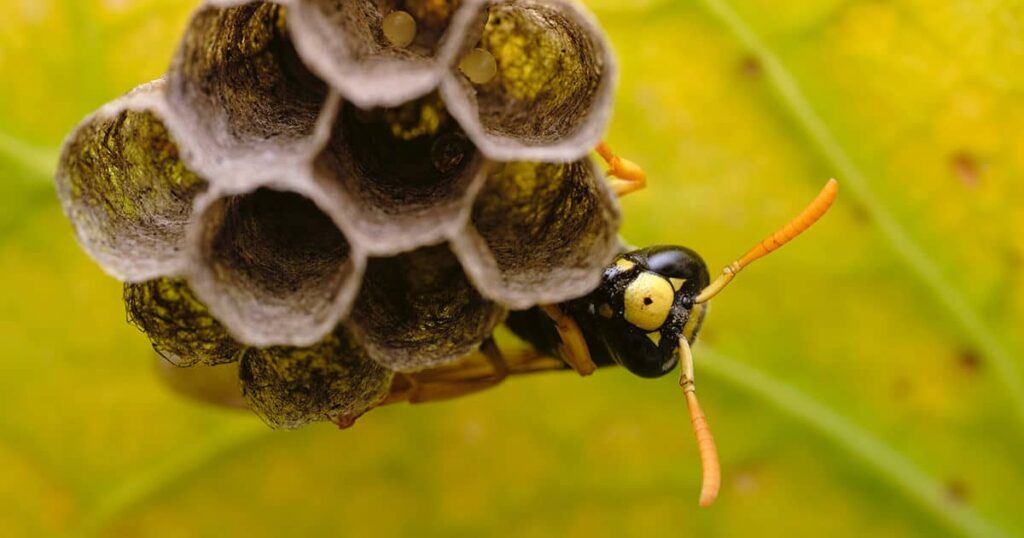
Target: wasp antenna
(793, 228)
(711, 471)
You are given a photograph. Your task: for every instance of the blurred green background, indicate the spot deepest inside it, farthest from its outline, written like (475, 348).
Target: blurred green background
(864, 381)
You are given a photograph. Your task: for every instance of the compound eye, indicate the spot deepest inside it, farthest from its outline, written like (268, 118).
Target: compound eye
(648, 300)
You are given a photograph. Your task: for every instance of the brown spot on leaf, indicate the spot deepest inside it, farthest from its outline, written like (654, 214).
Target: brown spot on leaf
(1015, 258)
(957, 491)
(747, 478)
(746, 483)
(969, 360)
(901, 388)
(966, 168)
(751, 66)
(859, 213)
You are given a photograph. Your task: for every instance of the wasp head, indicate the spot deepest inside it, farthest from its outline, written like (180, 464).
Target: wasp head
(645, 304)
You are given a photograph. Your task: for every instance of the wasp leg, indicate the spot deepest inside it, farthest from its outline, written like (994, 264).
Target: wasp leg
(439, 385)
(403, 388)
(473, 374)
(477, 366)
(497, 361)
(574, 347)
(476, 373)
(624, 175)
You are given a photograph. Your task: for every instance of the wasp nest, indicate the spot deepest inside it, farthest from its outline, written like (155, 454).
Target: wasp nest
(326, 192)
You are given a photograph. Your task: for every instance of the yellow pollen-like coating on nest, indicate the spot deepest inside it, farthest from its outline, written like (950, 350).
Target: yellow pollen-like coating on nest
(399, 28)
(479, 66)
(624, 264)
(648, 300)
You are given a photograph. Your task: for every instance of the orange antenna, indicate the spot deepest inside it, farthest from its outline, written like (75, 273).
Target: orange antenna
(711, 470)
(783, 235)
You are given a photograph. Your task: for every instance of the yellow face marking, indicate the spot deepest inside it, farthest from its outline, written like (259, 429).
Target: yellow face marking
(605, 311)
(624, 265)
(677, 283)
(648, 300)
(655, 337)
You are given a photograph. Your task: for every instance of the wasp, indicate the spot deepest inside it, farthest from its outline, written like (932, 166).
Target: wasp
(644, 316)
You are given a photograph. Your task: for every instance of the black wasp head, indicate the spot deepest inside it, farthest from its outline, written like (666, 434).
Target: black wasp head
(644, 305)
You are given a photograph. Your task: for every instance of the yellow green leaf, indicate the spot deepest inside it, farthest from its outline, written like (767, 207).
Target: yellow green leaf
(865, 380)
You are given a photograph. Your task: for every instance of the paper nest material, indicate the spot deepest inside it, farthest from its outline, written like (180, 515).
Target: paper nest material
(299, 195)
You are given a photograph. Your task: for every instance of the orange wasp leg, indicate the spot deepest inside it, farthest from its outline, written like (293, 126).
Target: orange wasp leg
(443, 384)
(574, 349)
(477, 372)
(624, 176)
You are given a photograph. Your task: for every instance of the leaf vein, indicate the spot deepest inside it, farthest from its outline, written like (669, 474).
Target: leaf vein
(869, 450)
(916, 259)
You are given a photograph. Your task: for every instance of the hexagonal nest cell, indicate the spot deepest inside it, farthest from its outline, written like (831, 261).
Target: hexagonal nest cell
(344, 42)
(418, 310)
(541, 232)
(239, 85)
(289, 387)
(125, 189)
(320, 205)
(552, 94)
(404, 175)
(178, 325)
(273, 267)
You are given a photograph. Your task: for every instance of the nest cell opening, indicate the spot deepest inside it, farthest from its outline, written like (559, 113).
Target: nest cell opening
(240, 83)
(289, 387)
(546, 231)
(419, 310)
(273, 267)
(551, 95)
(405, 172)
(128, 194)
(346, 43)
